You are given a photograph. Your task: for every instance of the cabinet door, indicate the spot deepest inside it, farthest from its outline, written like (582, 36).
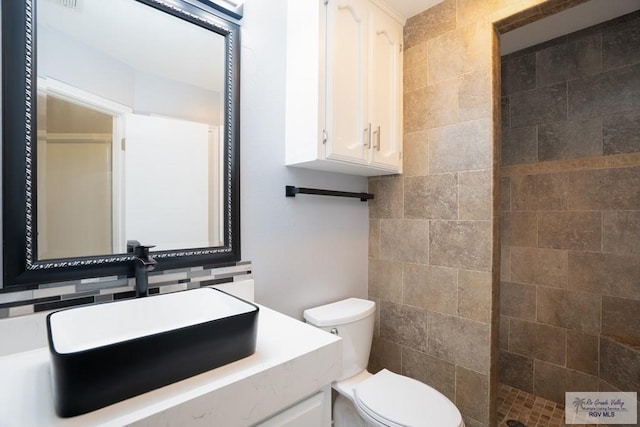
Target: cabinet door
(346, 75)
(386, 90)
(308, 413)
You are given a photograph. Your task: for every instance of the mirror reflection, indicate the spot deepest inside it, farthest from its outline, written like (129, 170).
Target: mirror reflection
(130, 136)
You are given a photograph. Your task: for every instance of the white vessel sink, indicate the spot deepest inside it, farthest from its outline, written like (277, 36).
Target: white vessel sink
(105, 353)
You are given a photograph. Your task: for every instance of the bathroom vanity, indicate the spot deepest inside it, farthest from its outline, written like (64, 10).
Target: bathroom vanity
(286, 382)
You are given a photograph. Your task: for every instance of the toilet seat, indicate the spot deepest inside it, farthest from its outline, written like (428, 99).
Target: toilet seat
(397, 401)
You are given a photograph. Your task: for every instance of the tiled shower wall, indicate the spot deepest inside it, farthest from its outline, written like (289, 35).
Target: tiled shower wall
(570, 292)
(433, 253)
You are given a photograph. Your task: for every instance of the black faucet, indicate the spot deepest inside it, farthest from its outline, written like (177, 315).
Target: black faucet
(143, 264)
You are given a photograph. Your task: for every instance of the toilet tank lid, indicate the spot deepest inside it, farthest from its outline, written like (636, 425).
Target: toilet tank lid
(340, 313)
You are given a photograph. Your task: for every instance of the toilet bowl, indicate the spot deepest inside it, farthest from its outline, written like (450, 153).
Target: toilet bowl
(384, 399)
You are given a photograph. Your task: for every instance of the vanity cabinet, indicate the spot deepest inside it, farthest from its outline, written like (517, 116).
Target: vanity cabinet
(344, 87)
(314, 411)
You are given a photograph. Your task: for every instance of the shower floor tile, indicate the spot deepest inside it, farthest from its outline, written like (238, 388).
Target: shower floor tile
(530, 410)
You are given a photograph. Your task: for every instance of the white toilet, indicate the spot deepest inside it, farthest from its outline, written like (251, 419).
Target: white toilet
(385, 399)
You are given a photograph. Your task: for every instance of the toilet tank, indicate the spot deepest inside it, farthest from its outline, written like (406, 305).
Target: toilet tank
(352, 319)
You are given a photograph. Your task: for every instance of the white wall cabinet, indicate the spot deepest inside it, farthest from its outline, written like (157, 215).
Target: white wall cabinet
(344, 87)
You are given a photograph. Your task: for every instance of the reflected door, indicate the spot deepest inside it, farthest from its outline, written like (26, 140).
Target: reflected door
(167, 185)
(74, 181)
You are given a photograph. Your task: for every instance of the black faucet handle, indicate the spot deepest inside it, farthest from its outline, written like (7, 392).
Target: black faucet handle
(142, 252)
(139, 251)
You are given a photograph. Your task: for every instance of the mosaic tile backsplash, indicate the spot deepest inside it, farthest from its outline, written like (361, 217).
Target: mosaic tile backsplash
(52, 296)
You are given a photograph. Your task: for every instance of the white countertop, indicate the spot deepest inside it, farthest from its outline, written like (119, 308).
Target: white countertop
(292, 361)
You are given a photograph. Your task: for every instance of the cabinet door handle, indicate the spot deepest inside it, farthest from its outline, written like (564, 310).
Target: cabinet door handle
(367, 136)
(377, 137)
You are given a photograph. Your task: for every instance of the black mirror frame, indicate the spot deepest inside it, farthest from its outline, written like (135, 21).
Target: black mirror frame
(21, 269)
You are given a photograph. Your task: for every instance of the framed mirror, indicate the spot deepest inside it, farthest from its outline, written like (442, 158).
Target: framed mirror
(120, 125)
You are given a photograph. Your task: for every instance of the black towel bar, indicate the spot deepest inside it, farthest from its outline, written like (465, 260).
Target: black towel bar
(291, 191)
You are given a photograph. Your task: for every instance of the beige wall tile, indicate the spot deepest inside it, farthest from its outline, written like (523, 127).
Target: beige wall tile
(415, 67)
(374, 238)
(388, 199)
(474, 95)
(552, 381)
(622, 133)
(385, 279)
(432, 371)
(568, 309)
(458, 88)
(430, 106)
(474, 295)
(570, 230)
(605, 274)
(580, 381)
(472, 394)
(433, 288)
(520, 146)
(620, 319)
(511, 14)
(505, 194)
(475, 194)
(573, 165)
(613, 91)
(404, 325)
(385, 354)
(537, 341)
(444, 60)
(547, 267)
(459, 341)
(415, 110)
(600, 195)
(505, 116)
(522, 336)
(516, 371)
(468, 11)
(431, 197)
(505, 263)
(504, 332)
(461, 51)
(404, 240)
(464, 146)
(519, 229)
(439, 110)
(553, 7)
(539, 192)
(570, 139)
(518, 300)
(460, 244)
(430, 23)
(582, 352)
(607, 189)
(551, 344)
(621, 231)
(619, 365)
(416, 154)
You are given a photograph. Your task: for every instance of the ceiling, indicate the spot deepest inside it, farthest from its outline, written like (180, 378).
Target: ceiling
(409, 8)
(568, 21)
(165, 46)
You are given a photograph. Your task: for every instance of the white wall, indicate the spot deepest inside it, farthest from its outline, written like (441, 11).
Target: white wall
(306, 250)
